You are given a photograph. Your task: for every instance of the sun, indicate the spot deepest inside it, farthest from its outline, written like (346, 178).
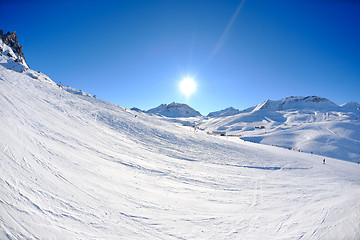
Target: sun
(187, 86)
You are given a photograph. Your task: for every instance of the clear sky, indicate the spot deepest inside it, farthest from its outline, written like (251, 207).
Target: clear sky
(240, 53)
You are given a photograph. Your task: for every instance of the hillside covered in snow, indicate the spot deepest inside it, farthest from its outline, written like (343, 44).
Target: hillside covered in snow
(76, 167)
(310, 124)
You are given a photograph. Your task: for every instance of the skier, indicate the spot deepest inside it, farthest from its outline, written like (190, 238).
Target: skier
(324, 161)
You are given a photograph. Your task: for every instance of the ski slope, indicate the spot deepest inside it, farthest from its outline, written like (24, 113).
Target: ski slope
(75, 167)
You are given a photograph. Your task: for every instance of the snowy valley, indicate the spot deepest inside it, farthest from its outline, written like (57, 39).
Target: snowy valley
(76, 167)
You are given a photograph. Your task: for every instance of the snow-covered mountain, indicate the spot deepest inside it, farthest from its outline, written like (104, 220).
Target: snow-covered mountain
(310, 102)
(174, 110)
(225, 112)
(311, 124)
(76, 167)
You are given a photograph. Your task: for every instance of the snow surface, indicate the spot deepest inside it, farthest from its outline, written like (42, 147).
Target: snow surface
(75, 167)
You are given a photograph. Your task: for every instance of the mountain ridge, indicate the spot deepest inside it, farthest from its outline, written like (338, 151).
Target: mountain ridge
(174, 110)
(224, 112)
(296, 102)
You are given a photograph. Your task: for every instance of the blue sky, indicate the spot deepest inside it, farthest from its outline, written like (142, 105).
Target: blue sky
(134, 53)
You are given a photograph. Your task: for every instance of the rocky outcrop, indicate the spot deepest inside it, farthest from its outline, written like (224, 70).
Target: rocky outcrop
(11, 40)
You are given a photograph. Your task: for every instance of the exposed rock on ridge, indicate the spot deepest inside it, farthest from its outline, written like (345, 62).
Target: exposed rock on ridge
(11, 40)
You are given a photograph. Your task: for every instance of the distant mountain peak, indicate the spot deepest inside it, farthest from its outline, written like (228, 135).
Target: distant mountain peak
(136, 109)
(351, 106)
(224, 113)
(174, 110)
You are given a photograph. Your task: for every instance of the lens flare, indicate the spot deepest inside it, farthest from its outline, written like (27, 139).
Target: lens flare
(187, 86)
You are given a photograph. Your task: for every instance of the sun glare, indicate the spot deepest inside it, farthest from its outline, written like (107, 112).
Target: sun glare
(187, 86)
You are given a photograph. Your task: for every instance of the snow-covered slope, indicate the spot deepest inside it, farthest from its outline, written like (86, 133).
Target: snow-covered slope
(310, 124)
(174, 110)
(76, 167)
(225, 112)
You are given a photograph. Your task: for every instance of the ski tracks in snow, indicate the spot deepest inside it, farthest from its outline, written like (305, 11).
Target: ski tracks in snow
(256, 204)
(337, 135)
